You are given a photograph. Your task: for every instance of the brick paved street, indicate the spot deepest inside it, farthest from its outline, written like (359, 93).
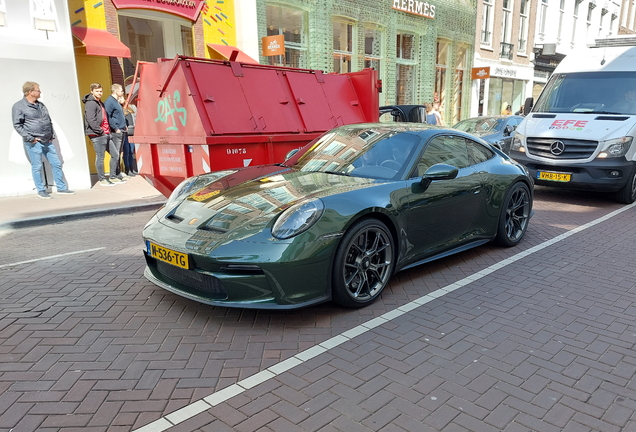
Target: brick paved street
(543, 343)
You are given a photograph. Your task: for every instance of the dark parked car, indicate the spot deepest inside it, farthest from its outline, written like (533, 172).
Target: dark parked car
(335, 221)
(496, 130)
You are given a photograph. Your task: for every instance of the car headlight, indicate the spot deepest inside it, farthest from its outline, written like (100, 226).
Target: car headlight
(615, 147)
(194, 184)
(518, 143)
(298, 218)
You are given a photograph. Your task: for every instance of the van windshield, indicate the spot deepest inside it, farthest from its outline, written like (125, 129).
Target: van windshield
(589, 92)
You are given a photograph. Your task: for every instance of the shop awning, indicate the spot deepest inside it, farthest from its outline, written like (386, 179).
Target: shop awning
(224, 52)
(100, 42)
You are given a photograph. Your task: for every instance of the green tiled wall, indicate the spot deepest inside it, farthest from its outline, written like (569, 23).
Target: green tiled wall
(454, 21)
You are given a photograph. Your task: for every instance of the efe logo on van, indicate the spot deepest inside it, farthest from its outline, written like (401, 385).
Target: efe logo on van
(564, 124)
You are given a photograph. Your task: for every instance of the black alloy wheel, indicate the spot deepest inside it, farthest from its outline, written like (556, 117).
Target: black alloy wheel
(515, 215)
(363, 264)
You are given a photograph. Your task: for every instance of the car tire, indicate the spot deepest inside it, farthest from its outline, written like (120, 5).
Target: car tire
(363, 264)
(627, 194)
(515, 215)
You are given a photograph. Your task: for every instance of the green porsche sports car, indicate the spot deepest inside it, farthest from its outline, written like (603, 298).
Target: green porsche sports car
(337, 219)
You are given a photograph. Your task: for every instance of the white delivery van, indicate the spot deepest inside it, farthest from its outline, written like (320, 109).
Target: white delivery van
(580, 132)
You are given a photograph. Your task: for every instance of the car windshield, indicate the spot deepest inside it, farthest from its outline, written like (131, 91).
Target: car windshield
(589, 92)
(480, 125)
(378, 152)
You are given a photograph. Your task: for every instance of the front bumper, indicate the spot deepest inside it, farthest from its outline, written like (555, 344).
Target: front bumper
(251, 275)
(605, 175)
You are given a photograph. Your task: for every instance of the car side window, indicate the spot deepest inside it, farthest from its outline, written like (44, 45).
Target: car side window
(450, 150)
(478, 153)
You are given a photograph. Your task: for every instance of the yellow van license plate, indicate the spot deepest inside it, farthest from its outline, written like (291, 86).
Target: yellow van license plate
(560, 177)
(168, 255)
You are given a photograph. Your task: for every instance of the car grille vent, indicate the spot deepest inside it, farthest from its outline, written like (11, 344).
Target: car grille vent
(543, 115)
(611, 118)
(213, 229)
(573, 149)
(206, 285)
(174, 218)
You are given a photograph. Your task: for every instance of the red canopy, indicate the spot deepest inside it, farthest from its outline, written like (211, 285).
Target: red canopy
(100, 42)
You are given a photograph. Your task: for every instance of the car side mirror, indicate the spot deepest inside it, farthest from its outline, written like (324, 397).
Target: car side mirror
(291, 153)
(509, 130)
(439, 172)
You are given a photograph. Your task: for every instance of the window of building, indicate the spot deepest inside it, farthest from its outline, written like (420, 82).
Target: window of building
(461, 64)
(441, 66)
(590, 8)
(343, 32)
(486, 23)
(506, 26)
(600, 24)
(44, 15)
(406, 68)
(575, 18)
(3, 14)
(561, 14)
(373, 55)
(543, 15)
(293, 24)
(187, 41)
(144, 37)
(523, 25)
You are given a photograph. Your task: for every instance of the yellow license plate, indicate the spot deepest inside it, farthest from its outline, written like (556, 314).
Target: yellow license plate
(168, 255)
(560, 177)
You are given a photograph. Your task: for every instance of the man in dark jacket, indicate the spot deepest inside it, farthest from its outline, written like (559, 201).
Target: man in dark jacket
(98, 130)
(32, 121)
(117, 122)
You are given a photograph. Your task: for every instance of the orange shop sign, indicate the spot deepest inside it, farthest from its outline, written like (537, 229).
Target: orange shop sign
(273, 45)
(189, 9)
(415, 7)
(481, 72)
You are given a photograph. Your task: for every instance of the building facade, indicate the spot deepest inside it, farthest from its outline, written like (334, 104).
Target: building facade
(504, 41)
(422, 50)
(36, 45)
(565, 25)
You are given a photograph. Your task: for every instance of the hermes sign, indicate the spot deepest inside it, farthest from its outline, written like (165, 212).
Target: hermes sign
(189, 9)
(273, 45)
(415, 7)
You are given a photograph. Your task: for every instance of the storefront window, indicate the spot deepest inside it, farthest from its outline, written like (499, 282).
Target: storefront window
(187, 42)
(406, 68)
(292, 24)
(440, 70)
(460, 73)
(144, 38)
(504, 92)
(342, 46)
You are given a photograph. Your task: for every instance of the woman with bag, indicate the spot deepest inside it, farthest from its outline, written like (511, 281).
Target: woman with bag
(130, 162)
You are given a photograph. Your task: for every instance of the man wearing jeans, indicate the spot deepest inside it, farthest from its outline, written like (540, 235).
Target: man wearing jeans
(98, 130)
(117, 122)
(32, 121)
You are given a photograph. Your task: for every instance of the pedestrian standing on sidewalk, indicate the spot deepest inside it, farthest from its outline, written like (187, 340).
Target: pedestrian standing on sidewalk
(32, 121)
(128, 148)
(117, 123)
(96, 127)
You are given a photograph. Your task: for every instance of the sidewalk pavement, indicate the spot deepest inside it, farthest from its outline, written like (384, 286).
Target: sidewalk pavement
(26, 210)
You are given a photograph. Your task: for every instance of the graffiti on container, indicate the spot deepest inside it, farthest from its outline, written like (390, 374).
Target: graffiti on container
(166, 109)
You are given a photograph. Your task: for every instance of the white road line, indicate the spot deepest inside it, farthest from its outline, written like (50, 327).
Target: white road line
(50, 257)
(223, 395)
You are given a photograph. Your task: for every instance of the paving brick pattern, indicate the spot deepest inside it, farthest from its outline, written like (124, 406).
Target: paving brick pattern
(544, 344)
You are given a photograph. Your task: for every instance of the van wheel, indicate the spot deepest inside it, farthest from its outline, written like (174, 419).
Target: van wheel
(627, 194)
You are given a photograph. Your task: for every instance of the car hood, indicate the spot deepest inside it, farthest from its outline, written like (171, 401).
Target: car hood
(241, 209)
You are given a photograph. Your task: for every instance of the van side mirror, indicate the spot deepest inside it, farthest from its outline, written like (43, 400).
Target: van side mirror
(527, 106)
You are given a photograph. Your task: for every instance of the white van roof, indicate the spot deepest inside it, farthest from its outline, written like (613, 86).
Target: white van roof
(606, 59)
